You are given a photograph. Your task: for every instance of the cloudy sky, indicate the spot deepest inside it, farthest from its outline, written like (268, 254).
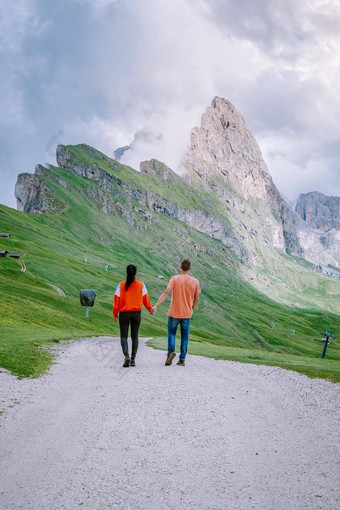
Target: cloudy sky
(107, 72)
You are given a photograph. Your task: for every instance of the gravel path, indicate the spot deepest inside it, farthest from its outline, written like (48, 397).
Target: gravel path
(58, 289)
(212, 435)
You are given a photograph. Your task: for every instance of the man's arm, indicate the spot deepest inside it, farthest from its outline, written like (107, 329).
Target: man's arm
(162, 298)
(197, 293)
(195, 301)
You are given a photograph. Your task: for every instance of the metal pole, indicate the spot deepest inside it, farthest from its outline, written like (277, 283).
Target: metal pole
(325, 348)
(87, 312)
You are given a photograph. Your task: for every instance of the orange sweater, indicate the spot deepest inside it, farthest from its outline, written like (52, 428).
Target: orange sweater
(131, 300)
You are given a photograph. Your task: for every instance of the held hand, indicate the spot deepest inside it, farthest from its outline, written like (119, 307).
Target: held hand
(154, 310)
(116, 318)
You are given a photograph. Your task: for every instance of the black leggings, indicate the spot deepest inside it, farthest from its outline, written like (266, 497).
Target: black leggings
(126, 318)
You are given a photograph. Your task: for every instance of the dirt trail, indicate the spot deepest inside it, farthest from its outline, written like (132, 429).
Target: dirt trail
(58, 289)
(212, 435)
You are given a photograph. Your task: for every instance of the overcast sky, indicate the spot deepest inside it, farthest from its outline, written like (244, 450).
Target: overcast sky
(107, 72)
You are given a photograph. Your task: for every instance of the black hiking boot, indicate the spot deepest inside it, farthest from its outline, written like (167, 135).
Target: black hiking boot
(169, 359)
(132, 362)
(126, 362)
(181, 362)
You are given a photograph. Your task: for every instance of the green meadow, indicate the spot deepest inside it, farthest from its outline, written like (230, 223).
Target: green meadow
(82, 247)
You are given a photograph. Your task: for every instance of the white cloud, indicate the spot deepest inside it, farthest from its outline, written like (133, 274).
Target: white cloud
(296, 167)
(99, 4)
(18, 19)
(180, 66)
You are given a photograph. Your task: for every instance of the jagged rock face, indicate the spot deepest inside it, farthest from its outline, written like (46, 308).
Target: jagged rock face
(158, 169)
(198, 219)
(319, 211)
(31, 192)
(227, 158)
(64, 160)
(225, 154)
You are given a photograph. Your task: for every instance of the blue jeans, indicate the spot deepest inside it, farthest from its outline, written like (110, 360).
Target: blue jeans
(172, 328)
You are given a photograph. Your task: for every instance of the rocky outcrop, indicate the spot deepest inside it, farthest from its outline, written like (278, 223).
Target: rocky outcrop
(112, 187)
(104, 178)
(82, 165)
(159, 170)
(32, 194)
(225, 154)
(319, 211)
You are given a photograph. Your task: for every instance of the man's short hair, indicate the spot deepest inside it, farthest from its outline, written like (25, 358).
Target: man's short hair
(186, 265)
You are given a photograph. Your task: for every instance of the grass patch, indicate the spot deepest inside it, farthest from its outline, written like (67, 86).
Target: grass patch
(310, 366)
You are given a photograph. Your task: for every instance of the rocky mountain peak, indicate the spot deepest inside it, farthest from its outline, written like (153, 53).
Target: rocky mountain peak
(224, 149)
(226, 158)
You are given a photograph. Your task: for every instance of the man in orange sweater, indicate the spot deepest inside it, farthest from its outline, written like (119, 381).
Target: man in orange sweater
(185, 291)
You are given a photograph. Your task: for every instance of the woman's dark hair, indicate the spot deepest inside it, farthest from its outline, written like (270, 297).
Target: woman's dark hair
(131, 271)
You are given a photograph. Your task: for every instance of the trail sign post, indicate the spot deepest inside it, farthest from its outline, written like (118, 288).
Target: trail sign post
(87, 297)
(328, 334)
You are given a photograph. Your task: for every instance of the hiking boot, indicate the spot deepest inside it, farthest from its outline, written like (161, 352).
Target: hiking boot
(169, 359)
(132, 362)
(181, 362)
(126, 362)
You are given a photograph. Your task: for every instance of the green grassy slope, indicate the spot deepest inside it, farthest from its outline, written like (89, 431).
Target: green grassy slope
(232, 318)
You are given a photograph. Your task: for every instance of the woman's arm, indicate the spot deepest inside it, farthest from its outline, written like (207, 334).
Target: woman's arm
(146, 300)
(116, 303)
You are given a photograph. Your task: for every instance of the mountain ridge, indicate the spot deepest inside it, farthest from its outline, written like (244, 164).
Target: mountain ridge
(227, 194)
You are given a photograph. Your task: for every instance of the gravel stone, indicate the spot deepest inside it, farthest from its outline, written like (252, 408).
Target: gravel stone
(215, 435)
